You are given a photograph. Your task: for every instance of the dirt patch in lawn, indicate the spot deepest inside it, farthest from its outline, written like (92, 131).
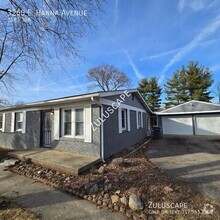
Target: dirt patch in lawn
(131, 184)
(10, 210)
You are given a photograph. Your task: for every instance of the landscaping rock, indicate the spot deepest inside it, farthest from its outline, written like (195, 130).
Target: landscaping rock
(88, 186)
(101, 170)
(116, 208)
(109, 186)
(124, 200)
(122, 209)
(135, 202)
(94, 189)
(167, 189)
(117, 161)
(132, 190)
(106, 196)
(118, 192)
(114, 198)
(143, 216)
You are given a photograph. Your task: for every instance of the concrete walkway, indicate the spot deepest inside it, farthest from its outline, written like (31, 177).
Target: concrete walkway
(67, 162)
(47, 202)
(195, 160)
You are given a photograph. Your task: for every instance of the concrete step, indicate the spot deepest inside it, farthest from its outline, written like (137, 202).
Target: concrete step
(66, 162)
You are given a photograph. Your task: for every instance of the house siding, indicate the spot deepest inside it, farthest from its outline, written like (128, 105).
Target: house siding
(78, 145)
(132, 100)
(8, 122)
(18, 140)
(115, 142)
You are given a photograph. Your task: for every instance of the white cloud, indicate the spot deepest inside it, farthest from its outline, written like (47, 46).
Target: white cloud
(207, 31)
(137, 73)
(170, 52)
(133, 65)
(159, 55)
(195, 5)
(215, 68)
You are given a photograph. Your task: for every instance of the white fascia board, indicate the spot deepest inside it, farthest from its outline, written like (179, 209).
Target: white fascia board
(55, 106)
(41, 105)
(186, 113)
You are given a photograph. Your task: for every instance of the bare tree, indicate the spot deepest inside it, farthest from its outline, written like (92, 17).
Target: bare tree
(107, 78)
(19, 102)
(33, 32)
(4, 103)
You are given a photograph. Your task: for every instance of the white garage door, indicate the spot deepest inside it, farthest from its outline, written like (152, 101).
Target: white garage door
(207, 125)
(177, 125)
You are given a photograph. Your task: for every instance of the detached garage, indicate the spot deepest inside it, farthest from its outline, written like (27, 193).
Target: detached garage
(191, 118)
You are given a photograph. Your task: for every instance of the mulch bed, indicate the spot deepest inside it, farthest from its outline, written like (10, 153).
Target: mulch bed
(134, 174)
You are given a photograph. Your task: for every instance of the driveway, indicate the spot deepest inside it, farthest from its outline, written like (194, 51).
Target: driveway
(47, 202)
(195, 160)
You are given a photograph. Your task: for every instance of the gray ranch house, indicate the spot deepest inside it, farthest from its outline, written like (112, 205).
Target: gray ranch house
(98, 124)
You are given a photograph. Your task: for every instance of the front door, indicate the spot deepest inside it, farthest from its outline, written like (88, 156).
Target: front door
(47, 128)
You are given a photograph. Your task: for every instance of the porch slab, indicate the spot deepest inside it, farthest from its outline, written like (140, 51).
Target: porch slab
(67, 162)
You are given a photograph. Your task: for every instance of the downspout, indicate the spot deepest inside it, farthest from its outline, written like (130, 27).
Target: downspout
(102, 129)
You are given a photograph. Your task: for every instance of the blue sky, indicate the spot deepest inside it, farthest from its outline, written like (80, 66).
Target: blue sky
(143, 38)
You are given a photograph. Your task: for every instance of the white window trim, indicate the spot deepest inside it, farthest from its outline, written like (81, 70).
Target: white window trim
(125, 114)
(23, 124)
(3, 123)
(73, 124)
(12, 121)
(127, 123)
(141, 125)
(57, 124)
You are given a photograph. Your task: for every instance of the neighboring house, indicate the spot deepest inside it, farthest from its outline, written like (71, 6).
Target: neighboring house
(191, 118)
(99, 123)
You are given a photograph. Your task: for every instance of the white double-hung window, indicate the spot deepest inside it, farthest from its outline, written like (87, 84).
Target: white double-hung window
(123, 120)
(79, 122)
(19, 117)
(73, 122)
(67, 122)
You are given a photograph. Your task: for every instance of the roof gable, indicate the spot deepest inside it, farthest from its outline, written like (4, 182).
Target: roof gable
(191, 107)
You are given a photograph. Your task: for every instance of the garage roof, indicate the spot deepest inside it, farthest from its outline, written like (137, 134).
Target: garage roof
(192, 107)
